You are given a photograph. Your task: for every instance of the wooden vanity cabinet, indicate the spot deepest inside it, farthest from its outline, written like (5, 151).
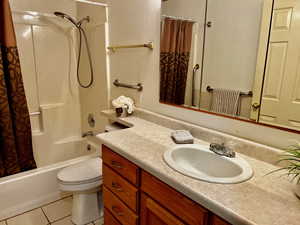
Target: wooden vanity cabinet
(186, 209)
(134, 197)
(215, 220)
(153, 213)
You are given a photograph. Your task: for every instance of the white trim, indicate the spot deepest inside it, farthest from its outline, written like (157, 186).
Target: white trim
(93, 3)
(34, 14)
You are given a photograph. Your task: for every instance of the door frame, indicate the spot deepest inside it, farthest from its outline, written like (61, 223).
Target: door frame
(262, 55)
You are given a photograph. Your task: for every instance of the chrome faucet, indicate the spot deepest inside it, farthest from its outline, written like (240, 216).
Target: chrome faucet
(222, 150)
(89, 133)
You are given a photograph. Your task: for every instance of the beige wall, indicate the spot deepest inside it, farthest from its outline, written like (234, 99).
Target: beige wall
(231, 44)
(129, 24)
(137, 20)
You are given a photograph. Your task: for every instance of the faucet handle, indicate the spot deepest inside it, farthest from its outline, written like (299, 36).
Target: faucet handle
(231, 148)
(217, 140)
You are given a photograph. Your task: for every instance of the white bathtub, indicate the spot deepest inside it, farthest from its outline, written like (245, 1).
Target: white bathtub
(28, 190)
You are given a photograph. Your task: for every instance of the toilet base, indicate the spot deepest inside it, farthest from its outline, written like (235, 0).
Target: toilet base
(87, 207)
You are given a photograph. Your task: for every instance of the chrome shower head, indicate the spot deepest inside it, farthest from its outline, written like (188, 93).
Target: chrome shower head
(65, 16)
(85, 19)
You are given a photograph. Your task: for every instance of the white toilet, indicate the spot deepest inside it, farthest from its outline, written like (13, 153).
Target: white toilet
(84, 180)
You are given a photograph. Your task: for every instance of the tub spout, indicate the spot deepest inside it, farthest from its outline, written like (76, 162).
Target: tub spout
(86, 134)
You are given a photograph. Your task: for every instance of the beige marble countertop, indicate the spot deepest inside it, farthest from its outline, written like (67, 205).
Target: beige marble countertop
(262, 200)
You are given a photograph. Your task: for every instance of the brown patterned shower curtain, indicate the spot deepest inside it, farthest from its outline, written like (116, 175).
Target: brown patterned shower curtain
(176, 39)
(16, 153)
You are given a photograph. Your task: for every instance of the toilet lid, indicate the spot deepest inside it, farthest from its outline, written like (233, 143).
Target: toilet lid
(89, 170)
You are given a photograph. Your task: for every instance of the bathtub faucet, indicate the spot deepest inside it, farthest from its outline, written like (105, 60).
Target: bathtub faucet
(86, 134)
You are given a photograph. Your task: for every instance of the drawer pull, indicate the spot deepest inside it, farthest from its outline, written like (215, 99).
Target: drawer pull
(117, 211)
(116, 164)
(117, 186)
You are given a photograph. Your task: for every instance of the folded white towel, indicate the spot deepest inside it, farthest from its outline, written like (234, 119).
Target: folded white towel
(226, 101)
(124, 102)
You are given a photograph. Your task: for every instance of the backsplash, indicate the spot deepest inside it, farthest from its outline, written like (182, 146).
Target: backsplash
(255, 150)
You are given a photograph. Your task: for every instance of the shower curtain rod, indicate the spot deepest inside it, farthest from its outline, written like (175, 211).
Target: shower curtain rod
(179, 18)
(92, 3)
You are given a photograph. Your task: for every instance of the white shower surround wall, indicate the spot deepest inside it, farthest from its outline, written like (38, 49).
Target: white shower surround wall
(48, 63)
(47, 47)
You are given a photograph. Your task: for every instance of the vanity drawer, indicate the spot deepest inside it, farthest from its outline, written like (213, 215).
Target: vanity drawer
(109, 219)
(120, 187)
(190, 212)
(118, 209)
(121, 165)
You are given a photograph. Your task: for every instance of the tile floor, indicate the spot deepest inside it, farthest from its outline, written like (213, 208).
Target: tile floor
(56, 213)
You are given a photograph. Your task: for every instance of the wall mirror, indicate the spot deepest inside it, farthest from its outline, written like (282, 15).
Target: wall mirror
(239, 59)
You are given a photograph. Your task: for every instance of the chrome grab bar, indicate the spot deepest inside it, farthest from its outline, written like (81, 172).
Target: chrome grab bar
(196, 67)
(138, 86)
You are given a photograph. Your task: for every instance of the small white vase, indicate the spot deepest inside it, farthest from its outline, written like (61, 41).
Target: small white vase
(297, 189)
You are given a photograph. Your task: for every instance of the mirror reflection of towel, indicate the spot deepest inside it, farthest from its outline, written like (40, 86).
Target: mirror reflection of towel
(226, 101)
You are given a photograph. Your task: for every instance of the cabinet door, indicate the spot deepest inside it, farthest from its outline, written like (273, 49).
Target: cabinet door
(184, 208)
(109, 219)
(153, 214)
(218, 221)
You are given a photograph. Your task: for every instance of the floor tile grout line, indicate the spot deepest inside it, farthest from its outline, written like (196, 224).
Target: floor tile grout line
(70, 196)
(34, 209)
(45, 215)
(60, 219)
(11, 217)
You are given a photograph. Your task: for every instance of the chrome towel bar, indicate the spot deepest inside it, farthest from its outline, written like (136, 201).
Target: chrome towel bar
(249, 94)
(148, 45)
(138, 86)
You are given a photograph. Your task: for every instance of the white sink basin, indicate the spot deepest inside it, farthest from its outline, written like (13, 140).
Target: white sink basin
(199, 162)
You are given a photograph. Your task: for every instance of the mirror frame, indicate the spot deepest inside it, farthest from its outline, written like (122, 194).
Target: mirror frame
(234, 118)
(260, 72)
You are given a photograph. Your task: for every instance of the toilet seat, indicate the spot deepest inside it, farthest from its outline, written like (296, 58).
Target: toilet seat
(84, 180)
(84, 175)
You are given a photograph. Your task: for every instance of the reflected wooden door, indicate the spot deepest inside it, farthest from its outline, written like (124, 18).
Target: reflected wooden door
(261, 58)
(280, 104)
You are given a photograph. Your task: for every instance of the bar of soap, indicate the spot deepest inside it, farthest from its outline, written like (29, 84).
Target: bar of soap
(182, 137)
